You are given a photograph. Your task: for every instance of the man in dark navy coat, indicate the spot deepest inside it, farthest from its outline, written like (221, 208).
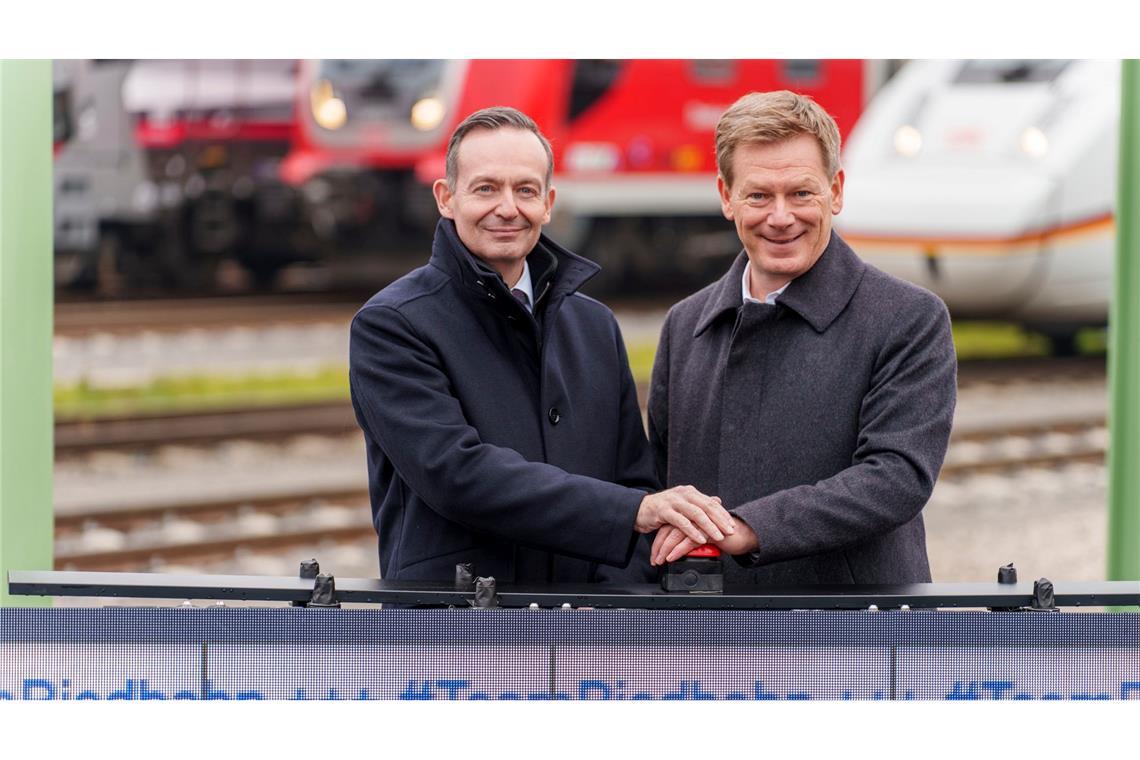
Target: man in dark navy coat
(497, 404)
(810, 391)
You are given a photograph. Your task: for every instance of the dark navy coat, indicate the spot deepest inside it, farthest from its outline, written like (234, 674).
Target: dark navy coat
(495, 438)
(821, 421)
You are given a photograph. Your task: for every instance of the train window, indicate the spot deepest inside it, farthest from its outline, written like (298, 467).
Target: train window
(1010, 70)
(592, 80)
(801, 71)
(381, 87)
(713, 71)
(277, 66)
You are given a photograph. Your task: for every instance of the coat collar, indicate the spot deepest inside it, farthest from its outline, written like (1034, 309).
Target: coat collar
(567, 270)
(819, 295)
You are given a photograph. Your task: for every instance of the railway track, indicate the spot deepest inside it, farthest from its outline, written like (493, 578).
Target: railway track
(197, 531)
(78, 437)
(1027, 370)
(994, 448)
(208, 531)
(139, 525)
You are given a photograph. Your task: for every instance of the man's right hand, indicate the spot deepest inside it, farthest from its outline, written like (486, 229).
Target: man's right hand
(699, 517)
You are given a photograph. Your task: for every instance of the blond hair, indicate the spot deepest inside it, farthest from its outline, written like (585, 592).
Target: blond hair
(769, 117)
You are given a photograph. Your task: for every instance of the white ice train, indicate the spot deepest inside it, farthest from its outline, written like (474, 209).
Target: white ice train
(992, 183)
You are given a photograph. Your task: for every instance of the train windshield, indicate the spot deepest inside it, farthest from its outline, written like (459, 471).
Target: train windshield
(1007, 71)
(379, 90)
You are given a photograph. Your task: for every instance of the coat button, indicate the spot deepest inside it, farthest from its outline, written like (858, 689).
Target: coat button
(553, 415)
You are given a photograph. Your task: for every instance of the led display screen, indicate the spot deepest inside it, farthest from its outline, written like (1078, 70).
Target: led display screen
(616, 655)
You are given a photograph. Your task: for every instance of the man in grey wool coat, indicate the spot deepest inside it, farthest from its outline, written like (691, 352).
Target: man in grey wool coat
(810, 391)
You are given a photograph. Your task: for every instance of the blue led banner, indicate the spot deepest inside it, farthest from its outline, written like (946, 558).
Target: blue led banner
(288, 653)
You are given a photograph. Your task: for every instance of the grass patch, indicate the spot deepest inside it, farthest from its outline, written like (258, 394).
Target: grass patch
(641, 359)
(993, 340)
(972, 340)
(1093, 340)
(201, 393)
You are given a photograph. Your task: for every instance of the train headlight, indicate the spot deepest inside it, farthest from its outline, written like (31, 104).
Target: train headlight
(428, 113)
(328, 110)
(1033, 142)
(331, 114)
(908, 141)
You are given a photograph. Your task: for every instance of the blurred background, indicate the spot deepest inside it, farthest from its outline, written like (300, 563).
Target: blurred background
(217, 223)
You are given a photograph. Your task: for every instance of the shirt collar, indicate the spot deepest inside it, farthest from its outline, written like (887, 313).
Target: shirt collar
(746, 291)
(525, 285)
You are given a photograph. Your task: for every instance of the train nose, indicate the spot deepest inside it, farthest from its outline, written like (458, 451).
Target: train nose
(973, 235)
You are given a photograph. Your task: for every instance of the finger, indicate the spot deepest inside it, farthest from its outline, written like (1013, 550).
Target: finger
(699, 515)
(721, 516)
(656, 556)
(684, 524)
(710, 505)
(680, 550)
(671, 542)
(666, 539)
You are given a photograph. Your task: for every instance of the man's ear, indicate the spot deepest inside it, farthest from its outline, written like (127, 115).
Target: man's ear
(837, 193)
(549, 205)
(443, 196)
(725, 193)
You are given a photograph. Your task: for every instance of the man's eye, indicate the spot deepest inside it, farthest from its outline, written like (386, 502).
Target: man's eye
(757, 197)
(484, 189)
(804, 193)
(529, 191)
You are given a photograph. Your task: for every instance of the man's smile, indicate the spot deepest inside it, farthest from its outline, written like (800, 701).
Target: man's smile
(782, 241)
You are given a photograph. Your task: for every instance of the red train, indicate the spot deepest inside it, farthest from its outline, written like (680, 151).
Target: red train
(633, 144)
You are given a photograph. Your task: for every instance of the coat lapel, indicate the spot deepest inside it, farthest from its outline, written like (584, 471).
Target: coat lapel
(821, 294)
(725, 296)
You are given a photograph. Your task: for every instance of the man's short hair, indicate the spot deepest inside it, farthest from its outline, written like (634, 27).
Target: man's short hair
(496, 117)
(769, 117)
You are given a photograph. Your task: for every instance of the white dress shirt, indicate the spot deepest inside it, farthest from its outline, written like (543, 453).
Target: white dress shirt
(747, 292)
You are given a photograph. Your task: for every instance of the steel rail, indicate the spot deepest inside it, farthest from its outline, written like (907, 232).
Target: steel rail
(266, 423)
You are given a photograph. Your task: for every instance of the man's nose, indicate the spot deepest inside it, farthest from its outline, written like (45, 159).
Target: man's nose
(780, 215)
(507, 207)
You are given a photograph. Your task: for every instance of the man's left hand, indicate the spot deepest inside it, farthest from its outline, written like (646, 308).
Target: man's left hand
(671, 544)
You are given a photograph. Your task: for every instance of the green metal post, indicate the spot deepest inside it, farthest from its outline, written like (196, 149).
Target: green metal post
(25, 321)
(1124, 353)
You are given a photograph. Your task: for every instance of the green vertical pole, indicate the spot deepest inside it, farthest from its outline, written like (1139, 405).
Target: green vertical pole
(1124, 351)
(25, 321)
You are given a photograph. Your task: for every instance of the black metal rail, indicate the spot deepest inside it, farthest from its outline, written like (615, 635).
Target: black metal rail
(324, 591)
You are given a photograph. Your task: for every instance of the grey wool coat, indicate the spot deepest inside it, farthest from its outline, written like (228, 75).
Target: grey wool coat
(821, 420)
